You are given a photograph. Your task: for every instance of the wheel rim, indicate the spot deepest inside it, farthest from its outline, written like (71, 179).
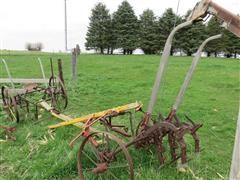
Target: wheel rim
(100, 162)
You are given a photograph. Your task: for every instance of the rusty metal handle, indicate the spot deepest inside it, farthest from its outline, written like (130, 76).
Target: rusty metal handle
(162, 65)
(231, 21)
(191, 70)
(206, 7)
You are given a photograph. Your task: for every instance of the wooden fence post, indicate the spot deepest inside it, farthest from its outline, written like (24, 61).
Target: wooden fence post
(75, 54)
(74, 63)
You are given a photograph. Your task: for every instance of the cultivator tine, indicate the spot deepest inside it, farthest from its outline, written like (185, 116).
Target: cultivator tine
(190, 120)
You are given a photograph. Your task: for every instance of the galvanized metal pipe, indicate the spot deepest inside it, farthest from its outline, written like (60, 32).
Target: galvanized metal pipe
(191, 70)
(162, 65)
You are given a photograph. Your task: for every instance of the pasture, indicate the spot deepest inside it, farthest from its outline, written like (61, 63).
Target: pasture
(106, 81)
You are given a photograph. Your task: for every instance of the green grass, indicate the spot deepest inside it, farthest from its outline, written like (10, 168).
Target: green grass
(108, 81)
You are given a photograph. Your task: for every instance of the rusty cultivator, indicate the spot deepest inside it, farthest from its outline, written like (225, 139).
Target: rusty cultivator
(104, 154)
(27, 98)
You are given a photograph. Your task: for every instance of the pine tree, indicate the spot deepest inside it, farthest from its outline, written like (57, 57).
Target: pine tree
(232, 44)
(214, 28)
(148, 41)
(125, 25)
(192, 37)
(98, 33)
(166, 24)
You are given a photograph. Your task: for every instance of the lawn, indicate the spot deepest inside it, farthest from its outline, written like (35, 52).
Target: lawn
(108, 81)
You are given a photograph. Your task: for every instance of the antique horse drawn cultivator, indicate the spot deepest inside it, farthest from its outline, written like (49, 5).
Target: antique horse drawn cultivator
(26, 99)
(104, 154)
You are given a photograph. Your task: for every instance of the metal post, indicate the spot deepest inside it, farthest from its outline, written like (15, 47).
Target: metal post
(65, 18)
(60, 72)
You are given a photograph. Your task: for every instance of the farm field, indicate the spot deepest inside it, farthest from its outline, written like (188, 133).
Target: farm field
(106, 81)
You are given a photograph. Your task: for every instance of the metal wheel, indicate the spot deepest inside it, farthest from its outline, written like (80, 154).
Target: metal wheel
(10, 105)
(58, 95)
(107, 160)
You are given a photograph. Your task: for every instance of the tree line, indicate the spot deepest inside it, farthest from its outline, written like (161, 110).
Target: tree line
(124, 30)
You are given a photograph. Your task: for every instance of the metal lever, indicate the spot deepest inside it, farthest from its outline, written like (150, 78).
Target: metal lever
(191, 70)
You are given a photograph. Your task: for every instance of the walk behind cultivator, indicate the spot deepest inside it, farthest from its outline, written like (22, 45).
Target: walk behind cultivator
(104, 154)
(25, 100)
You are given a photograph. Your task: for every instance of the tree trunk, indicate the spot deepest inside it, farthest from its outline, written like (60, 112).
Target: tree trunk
(111, 50)
(124, 51)
(101, 50)
(215, 54)
(108, 50)
(208, 54)
(235, 55)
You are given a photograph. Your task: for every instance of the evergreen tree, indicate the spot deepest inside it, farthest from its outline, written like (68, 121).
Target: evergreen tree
(192, 37)
(148, 41)
(214, 28)
(98, 33)
(126, 29)
(166, 24)
(232, 44)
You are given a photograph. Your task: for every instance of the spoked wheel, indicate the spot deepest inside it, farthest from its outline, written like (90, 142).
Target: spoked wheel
(107, 160)
(10, 105)
(58, 94)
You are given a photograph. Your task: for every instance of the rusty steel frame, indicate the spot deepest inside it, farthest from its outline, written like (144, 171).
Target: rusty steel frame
(148, 135)
(148, 132)
(154, 134)
(12, 99)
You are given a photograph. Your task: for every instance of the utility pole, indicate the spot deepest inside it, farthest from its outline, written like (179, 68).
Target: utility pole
(65, 16)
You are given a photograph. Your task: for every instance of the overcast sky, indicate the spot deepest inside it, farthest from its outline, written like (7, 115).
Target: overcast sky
(24, 21)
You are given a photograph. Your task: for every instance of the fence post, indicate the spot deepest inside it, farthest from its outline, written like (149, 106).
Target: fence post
(75, 54)
(74, 62)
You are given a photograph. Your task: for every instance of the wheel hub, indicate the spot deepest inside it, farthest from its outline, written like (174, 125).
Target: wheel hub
(101, 168)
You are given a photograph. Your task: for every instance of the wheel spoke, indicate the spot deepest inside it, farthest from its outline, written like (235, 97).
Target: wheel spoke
(104, 154)
(89, 158)
(113, 175)
(95, 152)
(118, 166)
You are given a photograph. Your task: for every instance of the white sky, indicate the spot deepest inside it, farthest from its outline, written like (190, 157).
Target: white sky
(24, 21)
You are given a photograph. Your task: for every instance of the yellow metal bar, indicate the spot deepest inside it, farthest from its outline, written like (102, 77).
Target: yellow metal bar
(83, 119)
(63, 117)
